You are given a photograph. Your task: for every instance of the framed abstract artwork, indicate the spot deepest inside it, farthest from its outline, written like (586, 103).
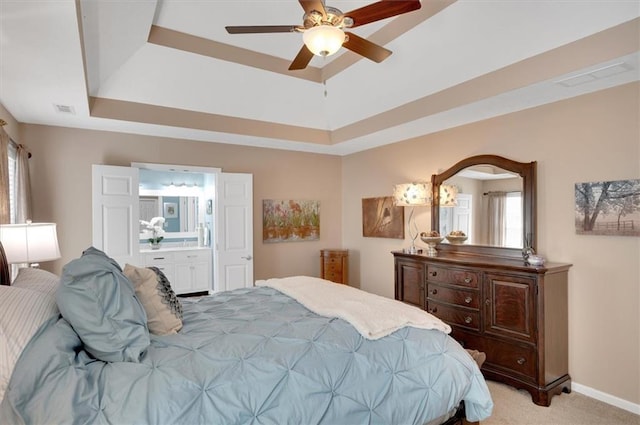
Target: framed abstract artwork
(290, 220)
(382, 219)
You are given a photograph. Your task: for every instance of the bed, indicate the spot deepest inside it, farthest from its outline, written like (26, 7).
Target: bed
(93, 349)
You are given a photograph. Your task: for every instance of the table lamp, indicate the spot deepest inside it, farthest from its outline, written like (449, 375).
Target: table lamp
(29, 242)
(412, 195)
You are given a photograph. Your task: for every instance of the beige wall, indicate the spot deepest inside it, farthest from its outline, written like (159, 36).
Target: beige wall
(61, 182)
(590, 138)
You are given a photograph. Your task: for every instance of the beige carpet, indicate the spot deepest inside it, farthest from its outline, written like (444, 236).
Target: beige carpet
(514, 407)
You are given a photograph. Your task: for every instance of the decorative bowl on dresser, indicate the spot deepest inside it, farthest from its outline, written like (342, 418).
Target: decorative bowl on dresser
(495, 302)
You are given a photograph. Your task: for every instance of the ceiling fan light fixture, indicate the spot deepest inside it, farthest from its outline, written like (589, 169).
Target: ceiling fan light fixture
(323, 40)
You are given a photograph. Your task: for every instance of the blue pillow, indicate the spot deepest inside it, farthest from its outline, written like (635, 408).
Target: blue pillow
(99, 302)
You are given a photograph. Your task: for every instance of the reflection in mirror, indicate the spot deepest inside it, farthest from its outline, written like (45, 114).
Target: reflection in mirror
(180, 212)
(488, 207)
(176, 196)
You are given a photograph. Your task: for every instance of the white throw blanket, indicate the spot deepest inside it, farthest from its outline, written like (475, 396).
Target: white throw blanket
(372, 315)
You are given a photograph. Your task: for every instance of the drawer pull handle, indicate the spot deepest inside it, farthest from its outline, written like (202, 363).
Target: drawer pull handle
(521, 361)
(468, 319)
(467, 280)
(158, 258)
(433, 310)
(487, 301)
(434, 273)
(468, 300)
(434, 291)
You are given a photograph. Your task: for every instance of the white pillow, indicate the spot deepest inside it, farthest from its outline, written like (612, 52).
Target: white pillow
(37, 280)
(22, 312)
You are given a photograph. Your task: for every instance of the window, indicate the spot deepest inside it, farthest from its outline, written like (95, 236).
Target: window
(13, 152)
(513, 218)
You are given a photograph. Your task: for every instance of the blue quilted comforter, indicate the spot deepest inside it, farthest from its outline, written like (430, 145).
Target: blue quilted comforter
(248, 356)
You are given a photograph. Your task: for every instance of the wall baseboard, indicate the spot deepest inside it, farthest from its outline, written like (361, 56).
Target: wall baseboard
(606, 398)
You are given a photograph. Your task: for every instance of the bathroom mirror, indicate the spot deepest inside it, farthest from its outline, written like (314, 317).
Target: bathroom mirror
(177, 196)
(486, 184)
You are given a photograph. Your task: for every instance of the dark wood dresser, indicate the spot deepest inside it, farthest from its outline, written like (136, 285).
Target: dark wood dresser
(334, 265)
(515, 313)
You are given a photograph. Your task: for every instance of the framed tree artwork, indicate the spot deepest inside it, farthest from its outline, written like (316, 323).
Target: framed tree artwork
(608, 208)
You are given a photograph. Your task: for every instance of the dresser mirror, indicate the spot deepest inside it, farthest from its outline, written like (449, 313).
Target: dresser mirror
(495, 206)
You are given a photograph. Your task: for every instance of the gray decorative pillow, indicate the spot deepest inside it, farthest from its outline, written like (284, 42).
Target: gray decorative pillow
(163, 308)
(99, 302)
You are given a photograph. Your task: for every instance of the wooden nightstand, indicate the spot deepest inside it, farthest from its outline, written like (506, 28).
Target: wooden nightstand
(334, 265)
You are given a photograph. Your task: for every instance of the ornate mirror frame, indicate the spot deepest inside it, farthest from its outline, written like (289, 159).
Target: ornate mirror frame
(526, 170)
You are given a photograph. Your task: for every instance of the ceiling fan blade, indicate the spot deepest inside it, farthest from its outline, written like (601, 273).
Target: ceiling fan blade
(311, 5)
(366, 48)
(255, 29)
(302, 59)
(381, 10)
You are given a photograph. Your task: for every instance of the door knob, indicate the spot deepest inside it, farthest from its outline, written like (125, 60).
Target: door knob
(248, 257)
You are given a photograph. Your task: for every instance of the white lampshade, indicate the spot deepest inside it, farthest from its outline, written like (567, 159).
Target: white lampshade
(323, 40)
(30, 242)
(448, 195)
(412, 194)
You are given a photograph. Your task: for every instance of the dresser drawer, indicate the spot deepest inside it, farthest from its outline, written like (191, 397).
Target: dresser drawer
(466, 298)
(502, 355)
(453, 276)
(455, 315)
(335, 276)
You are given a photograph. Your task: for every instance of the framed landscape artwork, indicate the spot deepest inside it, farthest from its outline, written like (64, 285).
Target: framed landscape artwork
(608, 208)
(290, 220)
(382, 219)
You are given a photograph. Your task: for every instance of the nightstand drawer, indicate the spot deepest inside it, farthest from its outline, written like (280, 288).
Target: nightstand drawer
(453, 276)
(465, 298)
(468, 318)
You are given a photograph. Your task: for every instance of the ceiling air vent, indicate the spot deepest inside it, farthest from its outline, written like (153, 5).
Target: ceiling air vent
(64, 109)
(606, 71)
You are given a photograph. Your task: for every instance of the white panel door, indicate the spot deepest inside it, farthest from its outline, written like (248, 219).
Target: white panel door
(234, 268)
(462, 214)
(115, 212)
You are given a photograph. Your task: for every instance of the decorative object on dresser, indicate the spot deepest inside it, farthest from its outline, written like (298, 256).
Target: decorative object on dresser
(494, 301)
(334, 265)
(412, 195)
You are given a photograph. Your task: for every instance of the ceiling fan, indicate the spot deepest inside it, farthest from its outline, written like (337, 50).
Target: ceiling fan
(323, 29)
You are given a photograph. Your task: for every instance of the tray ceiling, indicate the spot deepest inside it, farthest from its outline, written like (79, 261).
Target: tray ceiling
(169, 68)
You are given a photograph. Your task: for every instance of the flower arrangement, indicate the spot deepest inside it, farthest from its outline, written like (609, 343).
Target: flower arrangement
(156, 225)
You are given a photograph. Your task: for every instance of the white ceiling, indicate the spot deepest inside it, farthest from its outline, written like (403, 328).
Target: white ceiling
(453, 62)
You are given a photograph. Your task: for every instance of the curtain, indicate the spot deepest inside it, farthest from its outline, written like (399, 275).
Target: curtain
(4, 178)
(497, 218)
(23, 186)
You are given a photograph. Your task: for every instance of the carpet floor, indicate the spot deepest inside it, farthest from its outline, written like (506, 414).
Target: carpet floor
(514, 407)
